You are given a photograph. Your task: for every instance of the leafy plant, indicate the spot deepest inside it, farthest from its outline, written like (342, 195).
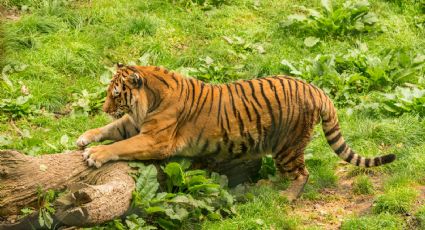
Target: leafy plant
(17, 108)
(349, 18)
(404, 100)
(26, 212)
(343, 75)
(85, 103)
(205, 4)
(212, 71)
(242, 47)
(268, 167)
(45, 207)
(189, 195)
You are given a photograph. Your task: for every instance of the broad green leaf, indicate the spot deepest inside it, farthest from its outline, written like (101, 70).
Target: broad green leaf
(214, 216)
(311, 41)
(48, 220)
(4, 141)
(118, 225)
(177, 214)
(370, 18)
(5, 78)
(26, 211)
(147, 183)
(195, 173)
(22, 99)
(228, 39)
(144, 59)
(105, 78)
(64, 140)
(155, 209)
(206, 187)
(361, 4)
(222, 180)
(208, 60)
(297, 17)
(166, 224)
(175, 174)
(292, 69)
(419, 58)
(134, 222)
(195, 180)
(181, 199)
(41, 219)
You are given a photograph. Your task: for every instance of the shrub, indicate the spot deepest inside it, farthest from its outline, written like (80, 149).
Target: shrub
(349, 18)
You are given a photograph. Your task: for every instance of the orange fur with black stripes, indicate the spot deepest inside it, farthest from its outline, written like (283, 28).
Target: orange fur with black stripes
(162, 114)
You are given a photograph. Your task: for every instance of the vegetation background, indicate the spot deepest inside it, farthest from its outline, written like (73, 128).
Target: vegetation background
(57, 56)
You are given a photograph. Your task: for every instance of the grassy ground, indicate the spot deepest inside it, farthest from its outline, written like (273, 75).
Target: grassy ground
(58, 49)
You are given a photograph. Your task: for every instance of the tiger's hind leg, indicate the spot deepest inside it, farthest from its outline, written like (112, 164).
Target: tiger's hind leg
(293, 167)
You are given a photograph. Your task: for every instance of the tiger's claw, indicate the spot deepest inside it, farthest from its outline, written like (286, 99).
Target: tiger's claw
(98, 155)
(82, 142)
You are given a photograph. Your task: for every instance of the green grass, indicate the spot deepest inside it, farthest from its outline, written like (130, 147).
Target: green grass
(57, 49)
(363, 185)
(382, 221)
(420, 215)
(266, 210)
(396, 200)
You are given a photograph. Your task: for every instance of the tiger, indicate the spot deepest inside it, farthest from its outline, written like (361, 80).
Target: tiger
(159, 114)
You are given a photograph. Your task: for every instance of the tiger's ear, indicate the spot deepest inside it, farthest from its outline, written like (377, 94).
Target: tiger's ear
(119, 65)
(135, 80)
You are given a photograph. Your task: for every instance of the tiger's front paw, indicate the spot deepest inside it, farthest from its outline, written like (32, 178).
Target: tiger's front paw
(88, 137)
(98, 155)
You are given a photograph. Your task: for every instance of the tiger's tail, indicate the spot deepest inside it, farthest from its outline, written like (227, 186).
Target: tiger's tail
(334, 137)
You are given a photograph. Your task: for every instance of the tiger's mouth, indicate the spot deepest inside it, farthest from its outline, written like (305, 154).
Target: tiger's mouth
(120, 112)
(117, 114)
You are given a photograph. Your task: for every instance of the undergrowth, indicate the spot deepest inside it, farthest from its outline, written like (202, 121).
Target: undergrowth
(367, 55)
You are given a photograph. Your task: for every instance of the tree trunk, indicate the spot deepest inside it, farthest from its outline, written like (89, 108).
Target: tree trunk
(91, 196)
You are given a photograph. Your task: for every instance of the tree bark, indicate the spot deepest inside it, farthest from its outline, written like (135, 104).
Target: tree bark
(90, 196)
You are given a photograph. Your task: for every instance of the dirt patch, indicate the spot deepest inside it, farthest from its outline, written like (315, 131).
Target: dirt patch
(336, 204)
(12, 14)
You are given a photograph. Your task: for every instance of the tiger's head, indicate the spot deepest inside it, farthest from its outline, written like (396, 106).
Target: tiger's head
(125, 94)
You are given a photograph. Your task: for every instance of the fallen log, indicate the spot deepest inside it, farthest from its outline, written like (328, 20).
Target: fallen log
(90, 196)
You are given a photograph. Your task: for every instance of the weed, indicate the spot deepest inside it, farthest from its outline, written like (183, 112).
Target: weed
(205, 4)
(351, 17)
(396, 200)
(268, 167)
(363, 185)
(344, 75)
(212, 71)
(404, 100)
(45, 207)
(190, 195)
(17, 108)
